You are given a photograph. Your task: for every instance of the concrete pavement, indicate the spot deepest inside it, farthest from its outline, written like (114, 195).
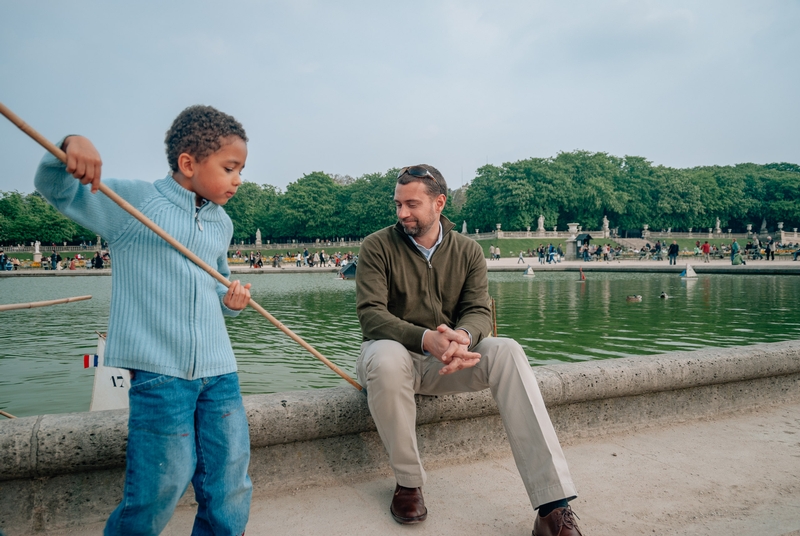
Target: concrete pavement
(738, 475)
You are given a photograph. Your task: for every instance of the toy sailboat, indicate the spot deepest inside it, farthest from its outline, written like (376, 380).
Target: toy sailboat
(688, 272)
(111, 384)
(528, 271)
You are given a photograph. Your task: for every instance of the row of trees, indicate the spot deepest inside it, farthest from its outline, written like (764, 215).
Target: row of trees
(577, 187)
(25, 218)
(582, 187)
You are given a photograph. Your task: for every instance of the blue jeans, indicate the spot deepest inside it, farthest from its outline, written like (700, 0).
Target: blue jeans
(181, 431)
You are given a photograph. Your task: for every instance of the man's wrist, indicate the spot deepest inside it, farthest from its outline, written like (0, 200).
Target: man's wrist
(468, 335)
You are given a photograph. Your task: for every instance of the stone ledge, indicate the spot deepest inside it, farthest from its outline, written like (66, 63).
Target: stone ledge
(48, 445)
(61, 471)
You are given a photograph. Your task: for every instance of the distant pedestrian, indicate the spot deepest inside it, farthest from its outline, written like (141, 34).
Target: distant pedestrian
(491, 252)
(672, 253)
(706, 249)
(736, 255)
(757, 248)
(770, 249)
(521, 258)
(658, 254)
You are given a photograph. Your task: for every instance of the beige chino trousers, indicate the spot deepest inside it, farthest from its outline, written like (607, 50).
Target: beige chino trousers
(392, 375)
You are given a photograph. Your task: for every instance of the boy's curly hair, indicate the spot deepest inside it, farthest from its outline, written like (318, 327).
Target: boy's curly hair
(198, 131)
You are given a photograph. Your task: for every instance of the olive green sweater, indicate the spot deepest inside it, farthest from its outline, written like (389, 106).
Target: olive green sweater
(399, 294)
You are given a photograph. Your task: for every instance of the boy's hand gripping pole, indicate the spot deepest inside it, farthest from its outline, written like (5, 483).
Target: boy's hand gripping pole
(130, 209)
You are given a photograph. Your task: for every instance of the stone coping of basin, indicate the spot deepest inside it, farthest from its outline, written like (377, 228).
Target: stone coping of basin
(67, 443)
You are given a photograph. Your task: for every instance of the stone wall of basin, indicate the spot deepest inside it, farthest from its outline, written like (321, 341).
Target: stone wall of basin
(60, 471)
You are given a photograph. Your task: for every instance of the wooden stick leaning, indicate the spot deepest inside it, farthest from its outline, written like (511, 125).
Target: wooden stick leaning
(7, 415)
(31, 305)
(494, 318)
(130, 209)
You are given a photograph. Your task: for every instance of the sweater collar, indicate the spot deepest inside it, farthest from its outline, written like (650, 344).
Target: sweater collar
(185, 199)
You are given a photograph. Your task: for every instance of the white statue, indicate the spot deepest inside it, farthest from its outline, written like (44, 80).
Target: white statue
(464, 227)
(36, 246)
(541, 223)
(605, 223)
(258, 237)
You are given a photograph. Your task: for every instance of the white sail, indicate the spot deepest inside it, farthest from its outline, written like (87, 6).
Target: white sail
(529, 271)
(689, 272)
(111, 384)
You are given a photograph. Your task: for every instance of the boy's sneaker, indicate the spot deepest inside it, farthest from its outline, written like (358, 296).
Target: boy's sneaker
(559, 522)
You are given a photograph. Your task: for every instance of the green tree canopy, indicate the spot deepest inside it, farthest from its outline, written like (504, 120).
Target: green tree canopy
(579, 186)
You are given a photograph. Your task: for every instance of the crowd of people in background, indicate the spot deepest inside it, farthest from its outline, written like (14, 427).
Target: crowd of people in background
(99, 261)
(547, 254)
(320, 259)
(754, 249)
(599, 252)
(56, 262)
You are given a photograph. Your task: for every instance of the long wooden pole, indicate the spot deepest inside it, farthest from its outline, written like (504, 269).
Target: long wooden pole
(7, 415)
(31, 305)
(130, 209)
(494, 318)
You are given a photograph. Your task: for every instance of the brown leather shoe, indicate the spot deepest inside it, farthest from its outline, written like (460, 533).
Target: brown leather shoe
(408, 506)
(559, 522)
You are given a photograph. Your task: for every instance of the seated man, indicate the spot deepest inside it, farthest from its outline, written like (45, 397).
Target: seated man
(423, 304)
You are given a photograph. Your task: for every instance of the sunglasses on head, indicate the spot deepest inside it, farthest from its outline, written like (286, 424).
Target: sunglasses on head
(420, 173)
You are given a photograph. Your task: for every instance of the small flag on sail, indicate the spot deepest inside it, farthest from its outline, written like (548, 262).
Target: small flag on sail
(90, 361)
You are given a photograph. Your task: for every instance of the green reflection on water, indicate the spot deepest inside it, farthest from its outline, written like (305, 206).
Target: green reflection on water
(553, 315)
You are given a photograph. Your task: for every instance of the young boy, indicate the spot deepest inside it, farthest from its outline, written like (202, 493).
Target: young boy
(187, 422)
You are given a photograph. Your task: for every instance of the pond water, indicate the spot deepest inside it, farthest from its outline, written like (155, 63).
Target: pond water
(553, 315)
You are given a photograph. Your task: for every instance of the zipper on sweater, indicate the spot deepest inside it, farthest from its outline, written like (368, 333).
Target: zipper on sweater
(431, 293)
(195, 336)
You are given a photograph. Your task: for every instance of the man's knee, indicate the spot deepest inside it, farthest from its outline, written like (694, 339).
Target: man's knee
(499, 345)
(501, 351)
(386, 362)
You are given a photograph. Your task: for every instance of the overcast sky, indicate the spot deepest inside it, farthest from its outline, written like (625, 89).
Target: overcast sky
(359, 87)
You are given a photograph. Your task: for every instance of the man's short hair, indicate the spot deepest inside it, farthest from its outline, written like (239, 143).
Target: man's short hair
(433, 188)
(198, 131)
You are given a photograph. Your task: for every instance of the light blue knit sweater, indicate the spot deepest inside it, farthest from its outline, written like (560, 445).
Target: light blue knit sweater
(166, 313)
